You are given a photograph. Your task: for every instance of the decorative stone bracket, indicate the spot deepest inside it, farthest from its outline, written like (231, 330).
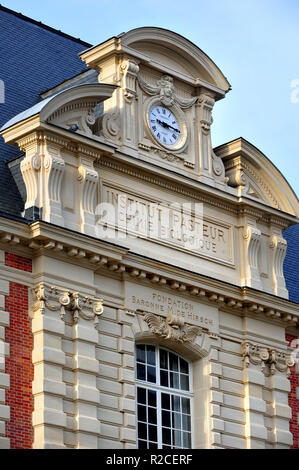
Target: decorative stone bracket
(88, 179)
(265, 356)
(252, 237)
(278, 247)
(56, 299)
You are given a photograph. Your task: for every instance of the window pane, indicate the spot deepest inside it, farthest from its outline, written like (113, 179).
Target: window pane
(176, 420)
(163, 359)
(186, 405)
(141, 395)
(176, 439)
(176, 403)
(165, 401)
(166, 418)
(152, 415)
(186, 422)
(164, 378)
(140, 353)
(142, 445)
(152, 433)
(184, 382)
(150, 355)
(140, 372)
(174, 380)
(166, 436)
(187, 440)
(141, 413)
(153, 445)
(151, 374)
(152, 400)
(184, 367)
(142, 432)
(173, 362)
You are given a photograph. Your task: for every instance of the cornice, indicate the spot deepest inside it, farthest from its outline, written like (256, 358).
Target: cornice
(41, 237)
(196, 190)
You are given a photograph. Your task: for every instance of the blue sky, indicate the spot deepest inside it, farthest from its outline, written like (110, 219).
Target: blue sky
(254, 42)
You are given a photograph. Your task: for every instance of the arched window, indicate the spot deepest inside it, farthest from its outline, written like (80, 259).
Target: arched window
(164, 399)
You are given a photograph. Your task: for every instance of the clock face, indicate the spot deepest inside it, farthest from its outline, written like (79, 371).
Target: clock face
(164, 125)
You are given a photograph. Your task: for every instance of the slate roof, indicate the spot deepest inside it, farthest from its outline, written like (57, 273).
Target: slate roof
(291, 262)
(35, 58)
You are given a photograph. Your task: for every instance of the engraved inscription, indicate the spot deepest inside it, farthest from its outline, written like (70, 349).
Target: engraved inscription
(171, 224)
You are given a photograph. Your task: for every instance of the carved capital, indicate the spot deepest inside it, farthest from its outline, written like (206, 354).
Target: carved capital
(267, 358)
(56, 299)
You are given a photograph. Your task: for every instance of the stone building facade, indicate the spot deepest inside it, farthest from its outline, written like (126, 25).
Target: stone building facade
(143, 295)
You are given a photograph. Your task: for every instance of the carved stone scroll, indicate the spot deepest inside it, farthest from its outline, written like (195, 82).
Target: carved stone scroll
(172, 327)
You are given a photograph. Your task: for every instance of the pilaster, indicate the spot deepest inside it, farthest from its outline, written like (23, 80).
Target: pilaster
(254, 404)
(48, 388)
(210, 166)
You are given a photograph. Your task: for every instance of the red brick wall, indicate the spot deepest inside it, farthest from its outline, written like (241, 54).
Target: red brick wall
(19, 364)
(293, 401)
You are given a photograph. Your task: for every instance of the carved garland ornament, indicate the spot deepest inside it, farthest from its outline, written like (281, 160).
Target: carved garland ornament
(263, 356)
(172, 327)
(56, 299)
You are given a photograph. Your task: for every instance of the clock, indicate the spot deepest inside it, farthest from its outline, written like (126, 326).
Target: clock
(165, 126)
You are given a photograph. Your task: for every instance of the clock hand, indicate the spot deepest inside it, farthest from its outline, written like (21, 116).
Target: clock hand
(164, 124)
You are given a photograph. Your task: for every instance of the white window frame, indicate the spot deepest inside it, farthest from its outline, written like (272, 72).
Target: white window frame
(162, 389)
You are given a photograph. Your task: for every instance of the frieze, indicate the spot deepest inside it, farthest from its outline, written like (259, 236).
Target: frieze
(164, 304)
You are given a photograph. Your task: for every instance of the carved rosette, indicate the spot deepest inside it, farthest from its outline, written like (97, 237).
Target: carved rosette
(172, 327)
(267, 358)
(56, 299)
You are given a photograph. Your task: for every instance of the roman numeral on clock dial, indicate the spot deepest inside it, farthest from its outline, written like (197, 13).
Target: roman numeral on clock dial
(164, 125)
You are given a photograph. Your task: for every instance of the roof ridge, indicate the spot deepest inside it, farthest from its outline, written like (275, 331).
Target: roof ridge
(44, 26)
